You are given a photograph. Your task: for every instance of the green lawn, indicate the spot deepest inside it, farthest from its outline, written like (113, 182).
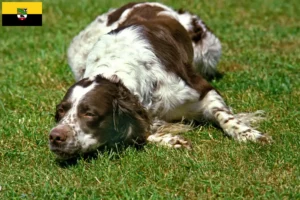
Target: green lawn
(261, 56)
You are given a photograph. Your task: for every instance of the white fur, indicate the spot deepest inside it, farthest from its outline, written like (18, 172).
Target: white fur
(169, 140)
(235, 126)
(185, 19)
(83, 43)
(207, 55)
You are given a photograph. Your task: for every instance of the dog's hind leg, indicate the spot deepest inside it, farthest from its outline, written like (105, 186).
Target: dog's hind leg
(207, 47)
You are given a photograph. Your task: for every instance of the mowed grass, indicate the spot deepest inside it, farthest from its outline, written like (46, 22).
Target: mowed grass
(260, 62)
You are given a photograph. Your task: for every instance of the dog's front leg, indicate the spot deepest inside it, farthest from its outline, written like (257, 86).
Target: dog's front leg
(164, 133)
(236, 126)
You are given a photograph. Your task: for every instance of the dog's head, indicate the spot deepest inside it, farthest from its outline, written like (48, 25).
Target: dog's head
(97, 112)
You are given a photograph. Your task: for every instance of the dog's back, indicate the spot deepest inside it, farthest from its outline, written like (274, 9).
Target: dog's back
(207, 47)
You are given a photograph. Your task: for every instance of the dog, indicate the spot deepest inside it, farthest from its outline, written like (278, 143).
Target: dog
(141, 70)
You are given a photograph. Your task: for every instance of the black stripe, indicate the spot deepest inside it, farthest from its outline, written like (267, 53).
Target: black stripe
(227, 120)
(217, 109)
(248, 130)
(12, 20)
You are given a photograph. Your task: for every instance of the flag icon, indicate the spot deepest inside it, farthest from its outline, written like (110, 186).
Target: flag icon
(21, 13)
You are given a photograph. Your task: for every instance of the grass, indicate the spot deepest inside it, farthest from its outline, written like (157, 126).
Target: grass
(261, 55)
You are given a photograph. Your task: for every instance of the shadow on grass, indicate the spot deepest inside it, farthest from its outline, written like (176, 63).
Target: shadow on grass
(217, 76)
(114, 153)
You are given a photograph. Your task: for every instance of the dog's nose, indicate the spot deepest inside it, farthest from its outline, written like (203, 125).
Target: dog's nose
(59, 134)
(57, 137)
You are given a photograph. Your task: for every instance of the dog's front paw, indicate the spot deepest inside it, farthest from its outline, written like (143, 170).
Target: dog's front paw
(174, 141)
(264, 139)
(250, 134)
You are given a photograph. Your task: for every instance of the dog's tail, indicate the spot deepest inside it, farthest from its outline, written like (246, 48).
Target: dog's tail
(207, 47)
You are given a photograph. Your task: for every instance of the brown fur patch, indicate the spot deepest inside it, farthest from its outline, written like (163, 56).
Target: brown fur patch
(170, 41)
(113, 17)
(142, 13)
(173, 47)
(197, 33)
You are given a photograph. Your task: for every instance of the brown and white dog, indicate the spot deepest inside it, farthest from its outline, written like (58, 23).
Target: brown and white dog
(140, 69)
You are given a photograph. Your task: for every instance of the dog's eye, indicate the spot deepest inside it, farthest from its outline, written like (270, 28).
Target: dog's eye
(89, 114)
(61, 111)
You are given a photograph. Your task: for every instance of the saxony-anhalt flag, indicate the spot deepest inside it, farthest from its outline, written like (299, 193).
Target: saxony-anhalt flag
(21, 13)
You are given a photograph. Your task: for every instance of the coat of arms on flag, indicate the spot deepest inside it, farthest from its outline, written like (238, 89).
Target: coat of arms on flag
(22, 13)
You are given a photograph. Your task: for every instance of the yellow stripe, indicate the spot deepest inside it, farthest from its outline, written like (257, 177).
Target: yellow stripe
(32, 7)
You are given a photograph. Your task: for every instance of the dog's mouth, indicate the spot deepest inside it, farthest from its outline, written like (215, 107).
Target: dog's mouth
(72, 149)
(64, 156)
(63, 153)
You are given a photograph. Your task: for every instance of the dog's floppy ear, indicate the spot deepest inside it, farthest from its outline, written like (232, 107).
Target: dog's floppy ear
(130, 119)
(56, 117)
(121, 116)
